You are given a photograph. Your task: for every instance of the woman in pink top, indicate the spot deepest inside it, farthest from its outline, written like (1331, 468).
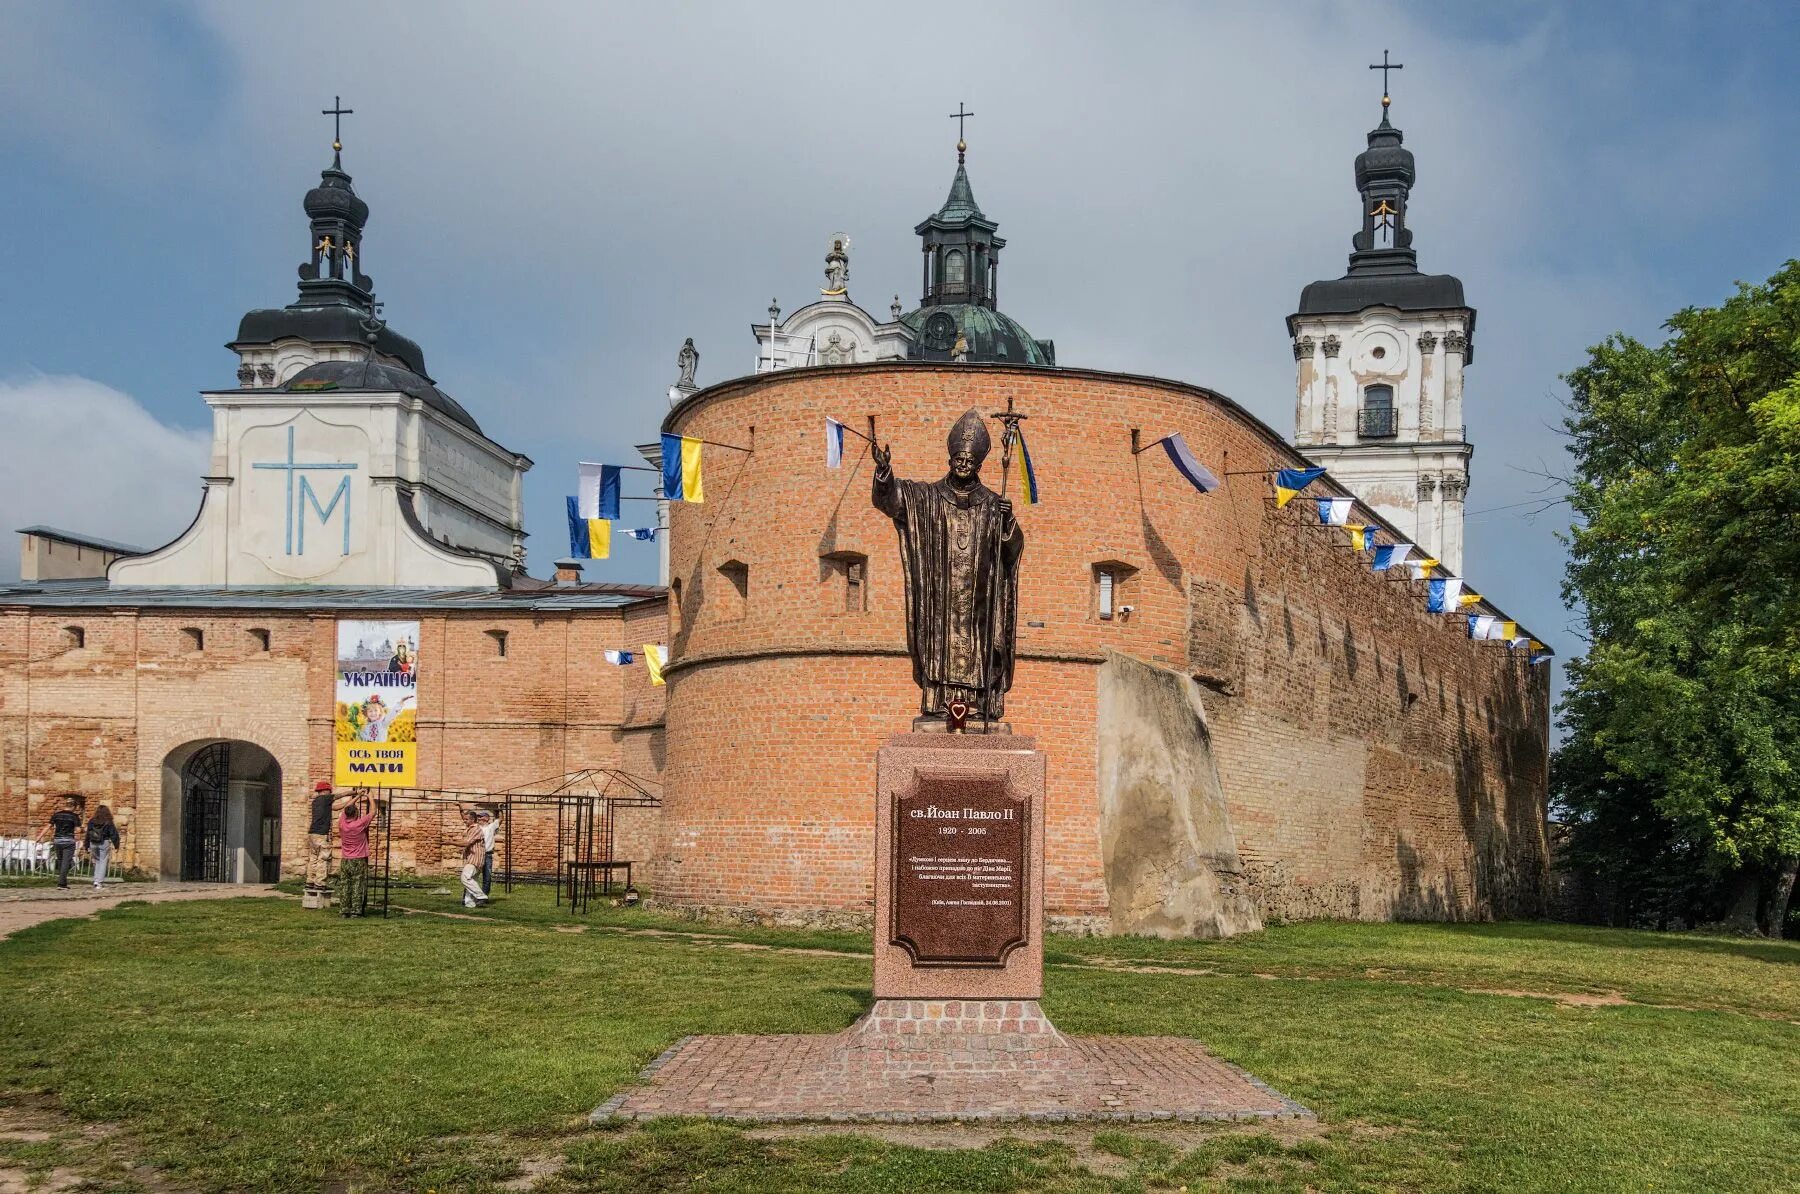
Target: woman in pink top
(353, 841)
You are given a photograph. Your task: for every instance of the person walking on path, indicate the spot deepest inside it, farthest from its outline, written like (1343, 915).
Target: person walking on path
(353, 837)
(61, 832)
(102, 840)
(490, 825)
(473, 848)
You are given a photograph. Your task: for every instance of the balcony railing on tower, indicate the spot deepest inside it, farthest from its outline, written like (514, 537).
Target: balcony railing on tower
(1377, 422)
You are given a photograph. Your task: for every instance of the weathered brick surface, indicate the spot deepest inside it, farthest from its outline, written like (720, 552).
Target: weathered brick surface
(1376, 761)
(103, 718)
(917, 1061)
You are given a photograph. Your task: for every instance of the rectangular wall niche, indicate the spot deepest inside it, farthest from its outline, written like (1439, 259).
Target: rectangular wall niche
(734, 593)
(844, 582)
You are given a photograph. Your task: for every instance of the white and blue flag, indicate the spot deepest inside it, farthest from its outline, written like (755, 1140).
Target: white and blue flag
(834, 443)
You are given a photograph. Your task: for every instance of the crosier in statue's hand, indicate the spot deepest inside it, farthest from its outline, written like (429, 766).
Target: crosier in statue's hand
(959, 550)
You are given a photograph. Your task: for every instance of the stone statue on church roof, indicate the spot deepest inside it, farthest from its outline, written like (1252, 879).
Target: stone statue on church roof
(837, 268)
(687, 360)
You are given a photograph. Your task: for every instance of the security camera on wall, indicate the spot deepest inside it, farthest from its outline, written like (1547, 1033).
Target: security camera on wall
(1125, 611)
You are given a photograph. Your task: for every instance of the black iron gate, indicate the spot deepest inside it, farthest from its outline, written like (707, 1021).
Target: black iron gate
(204, 783)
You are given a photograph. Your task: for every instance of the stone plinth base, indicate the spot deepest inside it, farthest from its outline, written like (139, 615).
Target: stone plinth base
(914, 1061)
(1004, 956)
(958, 1036)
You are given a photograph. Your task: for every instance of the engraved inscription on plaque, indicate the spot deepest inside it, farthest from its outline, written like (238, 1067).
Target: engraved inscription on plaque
(959, 871)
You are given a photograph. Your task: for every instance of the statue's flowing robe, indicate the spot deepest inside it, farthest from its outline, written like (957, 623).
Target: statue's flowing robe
(962, 590)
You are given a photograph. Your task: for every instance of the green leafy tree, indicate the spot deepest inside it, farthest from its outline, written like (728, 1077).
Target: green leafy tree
(1685, 562)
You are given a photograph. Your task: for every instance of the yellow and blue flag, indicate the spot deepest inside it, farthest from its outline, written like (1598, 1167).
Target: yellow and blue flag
(1362, 536)
(654, 658)
(589, 538)
(1028, 486)
(682, 481)
(1290, 481)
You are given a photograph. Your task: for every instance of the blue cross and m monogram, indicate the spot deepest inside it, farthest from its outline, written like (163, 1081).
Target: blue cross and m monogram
(302, 495)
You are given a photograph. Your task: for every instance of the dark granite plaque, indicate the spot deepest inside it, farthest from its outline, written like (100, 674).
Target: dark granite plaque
(959, 871)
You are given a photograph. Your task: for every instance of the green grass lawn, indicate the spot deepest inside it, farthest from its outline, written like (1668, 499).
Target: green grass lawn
(254, 1045)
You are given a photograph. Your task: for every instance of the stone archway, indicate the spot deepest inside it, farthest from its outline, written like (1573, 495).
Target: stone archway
(221, 813)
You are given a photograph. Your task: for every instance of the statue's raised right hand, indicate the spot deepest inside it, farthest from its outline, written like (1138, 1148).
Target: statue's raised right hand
(884, 456)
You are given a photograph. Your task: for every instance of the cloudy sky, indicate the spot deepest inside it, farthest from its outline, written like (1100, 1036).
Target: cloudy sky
(562, 192)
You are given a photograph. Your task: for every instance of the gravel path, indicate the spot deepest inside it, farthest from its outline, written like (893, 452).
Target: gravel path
(22, 907)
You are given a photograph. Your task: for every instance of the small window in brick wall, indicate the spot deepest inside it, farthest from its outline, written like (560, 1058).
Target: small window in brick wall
(193, 639)
(845, 575)
(74, 638)
(674, 607)
(259, 638)
(498, 638)
(1114, 590)
(734, 593)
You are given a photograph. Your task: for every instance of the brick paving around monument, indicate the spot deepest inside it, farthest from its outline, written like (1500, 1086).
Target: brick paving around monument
(913, 1062)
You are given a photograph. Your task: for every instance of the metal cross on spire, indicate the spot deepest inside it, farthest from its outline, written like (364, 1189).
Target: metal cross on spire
(1384, 66)
(337, 112)
(959, 116)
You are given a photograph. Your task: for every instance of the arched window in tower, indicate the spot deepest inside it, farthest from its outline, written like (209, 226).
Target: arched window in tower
(956, 270)
(1378, 420)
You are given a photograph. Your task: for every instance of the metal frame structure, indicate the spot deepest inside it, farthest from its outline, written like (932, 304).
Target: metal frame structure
(585, 804)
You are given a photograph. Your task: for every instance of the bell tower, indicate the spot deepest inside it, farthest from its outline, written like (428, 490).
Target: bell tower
(334, 274)
(1380, 354)
(962, 252)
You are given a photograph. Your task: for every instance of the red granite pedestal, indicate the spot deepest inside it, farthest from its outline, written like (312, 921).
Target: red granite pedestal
(955, 1031)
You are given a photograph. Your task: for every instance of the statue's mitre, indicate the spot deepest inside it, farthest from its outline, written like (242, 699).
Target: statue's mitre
(970, 434)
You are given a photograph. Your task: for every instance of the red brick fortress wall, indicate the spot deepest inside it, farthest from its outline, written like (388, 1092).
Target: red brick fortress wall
(1376, 762)
(104, 717)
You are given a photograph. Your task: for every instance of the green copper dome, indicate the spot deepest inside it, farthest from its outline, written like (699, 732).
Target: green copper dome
(992, 336)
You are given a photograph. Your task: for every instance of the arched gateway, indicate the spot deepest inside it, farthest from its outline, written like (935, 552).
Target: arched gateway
(221, 813)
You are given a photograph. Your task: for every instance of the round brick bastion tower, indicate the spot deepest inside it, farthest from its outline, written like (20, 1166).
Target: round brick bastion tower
(1242, 720)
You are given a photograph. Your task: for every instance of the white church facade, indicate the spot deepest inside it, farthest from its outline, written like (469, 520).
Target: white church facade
(1380, 354)
(337, 460)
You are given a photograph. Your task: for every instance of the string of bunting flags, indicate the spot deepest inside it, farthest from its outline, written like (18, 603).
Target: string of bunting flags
(595, 507)
(1445, 594)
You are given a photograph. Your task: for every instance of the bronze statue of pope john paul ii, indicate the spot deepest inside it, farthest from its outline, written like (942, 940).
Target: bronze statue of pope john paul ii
(960, 547)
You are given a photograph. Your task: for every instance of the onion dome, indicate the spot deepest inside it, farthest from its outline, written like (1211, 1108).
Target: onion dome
(1384, 266)
(334, 199)
(1386, 159)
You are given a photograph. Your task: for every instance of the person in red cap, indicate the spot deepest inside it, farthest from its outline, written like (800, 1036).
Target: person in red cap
(325, 804)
